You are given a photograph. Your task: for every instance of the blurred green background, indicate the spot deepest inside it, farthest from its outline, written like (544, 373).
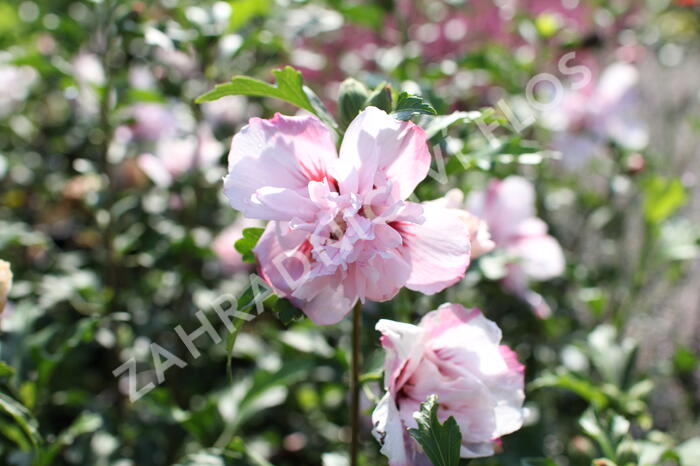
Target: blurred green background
(111, 249)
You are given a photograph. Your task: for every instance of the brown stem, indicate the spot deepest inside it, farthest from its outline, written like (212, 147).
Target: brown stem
(355, 384)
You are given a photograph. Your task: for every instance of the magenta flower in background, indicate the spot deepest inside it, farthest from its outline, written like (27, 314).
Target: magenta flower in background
(341, 229)
(454, 353)
(601, 112)
(508, 207)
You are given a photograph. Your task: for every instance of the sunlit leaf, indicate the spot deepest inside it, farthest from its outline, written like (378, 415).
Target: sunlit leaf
(22, 418)
(409, 105)
(246, 244)
(289, 87)
(663, 196)
(441, 442)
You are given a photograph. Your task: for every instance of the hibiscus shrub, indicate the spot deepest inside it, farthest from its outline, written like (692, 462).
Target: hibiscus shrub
(258, 232)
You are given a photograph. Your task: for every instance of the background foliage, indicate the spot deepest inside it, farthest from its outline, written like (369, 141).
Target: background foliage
(109, 258)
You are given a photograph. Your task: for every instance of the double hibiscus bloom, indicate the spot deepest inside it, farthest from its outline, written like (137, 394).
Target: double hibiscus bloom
(341, 228)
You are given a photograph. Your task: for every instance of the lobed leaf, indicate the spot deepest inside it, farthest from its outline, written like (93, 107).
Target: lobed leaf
(409, 105)
(246, 244)
(440, 442)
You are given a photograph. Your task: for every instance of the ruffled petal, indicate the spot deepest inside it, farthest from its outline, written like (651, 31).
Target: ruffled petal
(283, 153)
(283, 258)
(438, 249)
(378, 149)
(404, 350)
(391, 433)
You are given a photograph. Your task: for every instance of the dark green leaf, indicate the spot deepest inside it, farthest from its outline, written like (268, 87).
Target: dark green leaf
(441, 442)
(85, 423)
(286, 312)
(409, 105)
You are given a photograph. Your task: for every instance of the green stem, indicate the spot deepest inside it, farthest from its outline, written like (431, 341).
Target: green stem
(355, 384)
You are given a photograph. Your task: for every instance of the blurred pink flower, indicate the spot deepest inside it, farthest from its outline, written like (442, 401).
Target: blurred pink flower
(177, 155)
(508, 206)
(15, 85)
(454, 353)
(87, 69)
(479, 234)
(152, 121)
(223, 246)
(341, 227)
(601, 112)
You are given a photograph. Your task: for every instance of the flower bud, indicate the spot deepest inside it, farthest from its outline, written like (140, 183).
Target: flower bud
(351, 100)
(381, 98)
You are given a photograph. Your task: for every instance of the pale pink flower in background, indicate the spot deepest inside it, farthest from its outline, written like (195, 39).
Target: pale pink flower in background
(604, 111)
(341, 229)
(223, 246)
(508, 207)
(479, 235)
(229, 110)
(15, 84)
(89, 75)
(454, 353)
(177, 155)
(87, 69)
(152, 120)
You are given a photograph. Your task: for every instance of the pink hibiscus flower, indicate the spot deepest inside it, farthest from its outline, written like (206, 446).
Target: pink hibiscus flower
(508, 206)
(341, 229)
(479, 235)
(454, 353)
(589, 118)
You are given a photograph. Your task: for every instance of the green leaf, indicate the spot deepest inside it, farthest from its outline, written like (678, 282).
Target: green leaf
(663, 197)
(434, 125)
(409, 105)
(246, 244)
(242, 11)
(265, 389)
(85, 423)
(441, 442)
(537, 462)
(286, 312)
(22, 417)
(6, 370)
(684, 360)
(289, 87)
(575, 383)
